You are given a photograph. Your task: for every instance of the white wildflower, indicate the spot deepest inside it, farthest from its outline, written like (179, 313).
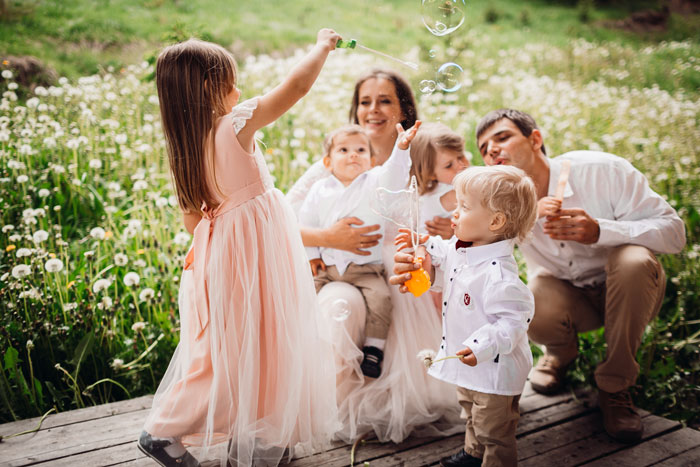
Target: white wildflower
(117, 364)
(105, 304)
(7, 227)
(182, 238)
(100, 285)
(53, 265)
(22, 178)
(7, 74)
(43, 193)
(120, 259)
(95, 164)
(131, 279)
(98, 233)
(147, 294)
(140, 185)
(20, 271)
(40, 236)
(70, 306)
(138, 326)
(22, 252)
(427, 356)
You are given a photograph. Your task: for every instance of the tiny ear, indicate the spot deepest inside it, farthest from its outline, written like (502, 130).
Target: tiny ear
(497, 222)
(327, 161)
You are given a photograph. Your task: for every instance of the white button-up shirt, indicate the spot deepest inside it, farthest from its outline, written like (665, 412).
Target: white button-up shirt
(628, 211)
(329, 200)
(487, 308)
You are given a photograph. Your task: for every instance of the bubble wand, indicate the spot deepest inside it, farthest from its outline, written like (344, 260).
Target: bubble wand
(419, 283)
(352, 43)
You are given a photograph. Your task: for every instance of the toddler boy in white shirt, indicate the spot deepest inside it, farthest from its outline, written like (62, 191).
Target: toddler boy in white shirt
(486, 308)
(349, 192)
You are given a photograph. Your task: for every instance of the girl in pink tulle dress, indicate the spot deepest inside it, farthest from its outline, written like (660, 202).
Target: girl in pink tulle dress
(252, 379)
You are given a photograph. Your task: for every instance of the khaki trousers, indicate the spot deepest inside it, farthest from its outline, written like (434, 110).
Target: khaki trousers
(369, 280)
(491, 422)
(628, 300)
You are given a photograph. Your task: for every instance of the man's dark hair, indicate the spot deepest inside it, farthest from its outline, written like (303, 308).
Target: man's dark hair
(523, 121)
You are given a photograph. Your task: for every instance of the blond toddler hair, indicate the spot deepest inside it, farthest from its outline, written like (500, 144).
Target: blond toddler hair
(350, 129)
(504, 189)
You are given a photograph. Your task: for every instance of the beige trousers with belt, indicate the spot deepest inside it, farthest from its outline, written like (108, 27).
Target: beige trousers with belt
(628, 300)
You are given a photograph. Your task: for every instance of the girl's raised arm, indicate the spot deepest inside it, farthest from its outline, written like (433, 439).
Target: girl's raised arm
(298, 82)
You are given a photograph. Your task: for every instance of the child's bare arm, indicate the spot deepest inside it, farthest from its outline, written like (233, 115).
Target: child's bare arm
(298, 82)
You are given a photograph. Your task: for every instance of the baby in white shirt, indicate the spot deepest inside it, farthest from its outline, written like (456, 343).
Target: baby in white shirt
(486, 308)
(349, 192)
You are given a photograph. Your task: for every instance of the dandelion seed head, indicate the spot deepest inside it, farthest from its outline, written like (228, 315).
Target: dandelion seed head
(131, 279)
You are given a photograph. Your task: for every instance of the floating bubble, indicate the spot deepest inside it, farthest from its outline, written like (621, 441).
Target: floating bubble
(427, 86)
(449, 77)
(432, 53)
(441, 17)
(339, 309)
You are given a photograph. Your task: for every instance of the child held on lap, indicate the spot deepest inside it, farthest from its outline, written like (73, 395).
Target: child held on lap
(486, 308)
(348, 192)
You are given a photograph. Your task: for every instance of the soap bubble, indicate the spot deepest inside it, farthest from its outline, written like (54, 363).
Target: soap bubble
(427, 86)
(339, 309)
(441, 17)
(449, 77)
(432, 53)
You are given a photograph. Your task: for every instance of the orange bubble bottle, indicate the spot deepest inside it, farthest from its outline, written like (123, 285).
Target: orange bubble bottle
(419, 283)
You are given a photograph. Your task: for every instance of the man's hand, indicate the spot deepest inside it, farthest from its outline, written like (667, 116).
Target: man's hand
(316, 264)
(467, 356)
(441, 226)
(574, 225)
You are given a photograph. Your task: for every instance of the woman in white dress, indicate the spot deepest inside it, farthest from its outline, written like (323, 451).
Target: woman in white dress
(403, 400)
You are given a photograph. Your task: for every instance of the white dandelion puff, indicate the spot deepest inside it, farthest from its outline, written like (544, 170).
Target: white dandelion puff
(147, 294)
(53, 265)
(98, 233)
(20, 271)
(100, 285)
(120, 259)
(427, 356)
(131, 279)
(40, 236)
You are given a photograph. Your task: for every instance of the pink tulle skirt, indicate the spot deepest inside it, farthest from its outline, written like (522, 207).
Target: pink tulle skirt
(259, 381)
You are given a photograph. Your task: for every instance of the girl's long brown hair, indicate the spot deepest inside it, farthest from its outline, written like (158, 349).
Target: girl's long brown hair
(193, 78)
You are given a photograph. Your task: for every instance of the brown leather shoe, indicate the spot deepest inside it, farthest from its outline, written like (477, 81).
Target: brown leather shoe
(548, 375)
(620, 417)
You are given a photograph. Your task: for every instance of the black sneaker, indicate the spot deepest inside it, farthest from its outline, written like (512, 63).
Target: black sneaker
(155, 449)
(372, 363)
(460, 459)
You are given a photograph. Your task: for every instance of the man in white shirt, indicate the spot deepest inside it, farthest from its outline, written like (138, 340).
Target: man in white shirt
(592, 262)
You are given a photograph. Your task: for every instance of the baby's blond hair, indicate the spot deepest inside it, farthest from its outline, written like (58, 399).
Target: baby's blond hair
(350, 129)
(504, 189)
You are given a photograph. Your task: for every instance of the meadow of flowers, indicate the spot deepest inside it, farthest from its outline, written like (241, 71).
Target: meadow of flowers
(92, 243)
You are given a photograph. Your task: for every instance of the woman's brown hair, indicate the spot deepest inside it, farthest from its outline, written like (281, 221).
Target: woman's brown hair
(403, 92)
(424, 148)
(193, 79)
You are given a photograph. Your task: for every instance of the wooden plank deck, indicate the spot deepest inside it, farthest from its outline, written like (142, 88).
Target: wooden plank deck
(561, 430)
